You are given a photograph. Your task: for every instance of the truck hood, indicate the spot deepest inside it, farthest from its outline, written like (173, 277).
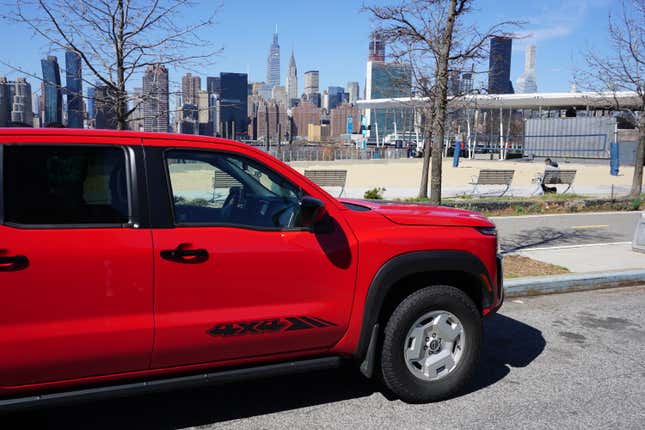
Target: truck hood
(423, 214)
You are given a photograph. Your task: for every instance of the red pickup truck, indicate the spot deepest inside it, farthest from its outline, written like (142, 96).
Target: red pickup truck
(138, 261)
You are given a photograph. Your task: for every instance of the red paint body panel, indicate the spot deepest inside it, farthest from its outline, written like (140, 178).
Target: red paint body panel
(83, 307)
(250, 275)
(91, 302)
(423, 214)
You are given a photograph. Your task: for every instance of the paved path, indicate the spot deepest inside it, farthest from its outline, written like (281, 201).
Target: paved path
(533, 231)
(570, 361)
(603, 257)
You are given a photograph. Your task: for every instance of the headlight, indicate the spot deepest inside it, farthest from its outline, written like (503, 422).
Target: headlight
(491, 231)
(488, 231)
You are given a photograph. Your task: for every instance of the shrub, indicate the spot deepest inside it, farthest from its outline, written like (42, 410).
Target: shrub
(636, 204)
(374, 193)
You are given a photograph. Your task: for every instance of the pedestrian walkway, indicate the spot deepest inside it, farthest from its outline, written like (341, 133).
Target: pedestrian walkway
(401, 178)
(604, 257)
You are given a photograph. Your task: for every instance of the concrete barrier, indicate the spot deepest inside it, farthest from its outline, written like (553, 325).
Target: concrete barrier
(570, 283)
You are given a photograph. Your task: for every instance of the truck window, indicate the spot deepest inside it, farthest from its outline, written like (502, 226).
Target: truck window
(50, 185)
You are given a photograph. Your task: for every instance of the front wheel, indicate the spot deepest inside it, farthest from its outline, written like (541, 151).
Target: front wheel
(431, 345)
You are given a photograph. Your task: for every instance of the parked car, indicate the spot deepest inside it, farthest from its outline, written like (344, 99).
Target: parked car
(137, 261)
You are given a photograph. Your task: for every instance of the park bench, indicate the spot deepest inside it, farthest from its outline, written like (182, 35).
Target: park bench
(493, 177)
(556, 177)
(223, 180)
(328, 178)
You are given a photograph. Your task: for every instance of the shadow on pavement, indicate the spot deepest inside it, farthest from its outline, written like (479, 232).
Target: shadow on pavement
(547, 236)
(508, 342)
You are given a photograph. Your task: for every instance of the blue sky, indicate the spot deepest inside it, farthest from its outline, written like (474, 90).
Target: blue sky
(331, 36)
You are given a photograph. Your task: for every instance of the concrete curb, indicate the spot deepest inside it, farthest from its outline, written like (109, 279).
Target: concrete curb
(569, 283)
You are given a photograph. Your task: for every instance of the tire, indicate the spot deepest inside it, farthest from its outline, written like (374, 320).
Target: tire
(434, 376)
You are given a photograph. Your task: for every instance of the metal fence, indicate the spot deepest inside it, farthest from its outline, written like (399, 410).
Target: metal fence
(287, 154)
(583, 137)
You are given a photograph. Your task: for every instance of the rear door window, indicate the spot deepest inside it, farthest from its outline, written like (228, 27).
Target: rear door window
(65, 185)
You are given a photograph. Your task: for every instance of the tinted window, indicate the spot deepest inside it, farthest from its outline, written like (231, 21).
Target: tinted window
(65, 185)
(219, 188)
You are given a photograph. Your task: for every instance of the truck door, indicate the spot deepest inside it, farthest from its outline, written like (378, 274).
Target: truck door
(235, 275)
(75, 272)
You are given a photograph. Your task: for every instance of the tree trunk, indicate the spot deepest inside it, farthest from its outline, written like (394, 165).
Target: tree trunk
(637, 183)
(427, 151)
(440, 104)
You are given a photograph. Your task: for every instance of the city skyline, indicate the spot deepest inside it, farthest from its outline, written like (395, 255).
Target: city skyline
(561, 28)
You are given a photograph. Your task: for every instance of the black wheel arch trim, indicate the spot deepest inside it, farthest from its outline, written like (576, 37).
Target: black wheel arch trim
(403, 265)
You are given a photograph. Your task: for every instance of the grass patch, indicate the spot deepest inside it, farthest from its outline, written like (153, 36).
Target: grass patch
(543, 204)
(516, 266)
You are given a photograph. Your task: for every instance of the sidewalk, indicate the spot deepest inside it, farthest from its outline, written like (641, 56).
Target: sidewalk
(593, 266)
(589, 258)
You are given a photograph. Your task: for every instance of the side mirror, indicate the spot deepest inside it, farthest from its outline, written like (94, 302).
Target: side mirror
(312, 211)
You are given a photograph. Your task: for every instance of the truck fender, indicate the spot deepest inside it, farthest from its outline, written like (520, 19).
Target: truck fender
(396, 269)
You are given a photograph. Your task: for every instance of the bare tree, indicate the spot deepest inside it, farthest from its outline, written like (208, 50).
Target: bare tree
(434, 38)
(623, 69)
(118, 39)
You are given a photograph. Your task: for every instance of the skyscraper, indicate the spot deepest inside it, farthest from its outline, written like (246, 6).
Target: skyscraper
(104, 105)
(353, 89)
(52, 94)
(74, 89)
(467, 81)
(312, 82)
(527, 82)
(214, 85)
(234, 104)
(499, 66)
(335, 95)
(279, 95)
(384, 81)
(5, 103)
(190, 86)
(21, 112)
(292, 80)
(15, 103)
(155, 93)
(377, 47)
(91, 110)
(273, 62)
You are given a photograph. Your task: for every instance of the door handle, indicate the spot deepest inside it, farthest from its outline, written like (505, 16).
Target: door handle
(13, 263)
(182, 254)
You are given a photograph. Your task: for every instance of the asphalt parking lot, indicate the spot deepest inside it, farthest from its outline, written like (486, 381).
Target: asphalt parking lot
(562, 361)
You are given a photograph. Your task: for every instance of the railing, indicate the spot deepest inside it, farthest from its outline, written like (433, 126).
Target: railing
(287, 154)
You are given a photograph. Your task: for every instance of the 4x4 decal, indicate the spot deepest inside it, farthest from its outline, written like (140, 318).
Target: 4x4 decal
(268, 326)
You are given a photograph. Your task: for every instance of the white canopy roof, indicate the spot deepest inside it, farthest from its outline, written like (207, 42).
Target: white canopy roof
(625, 99)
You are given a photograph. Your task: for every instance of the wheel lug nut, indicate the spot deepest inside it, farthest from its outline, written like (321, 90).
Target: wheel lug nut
(434, 335)
(427, 339)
